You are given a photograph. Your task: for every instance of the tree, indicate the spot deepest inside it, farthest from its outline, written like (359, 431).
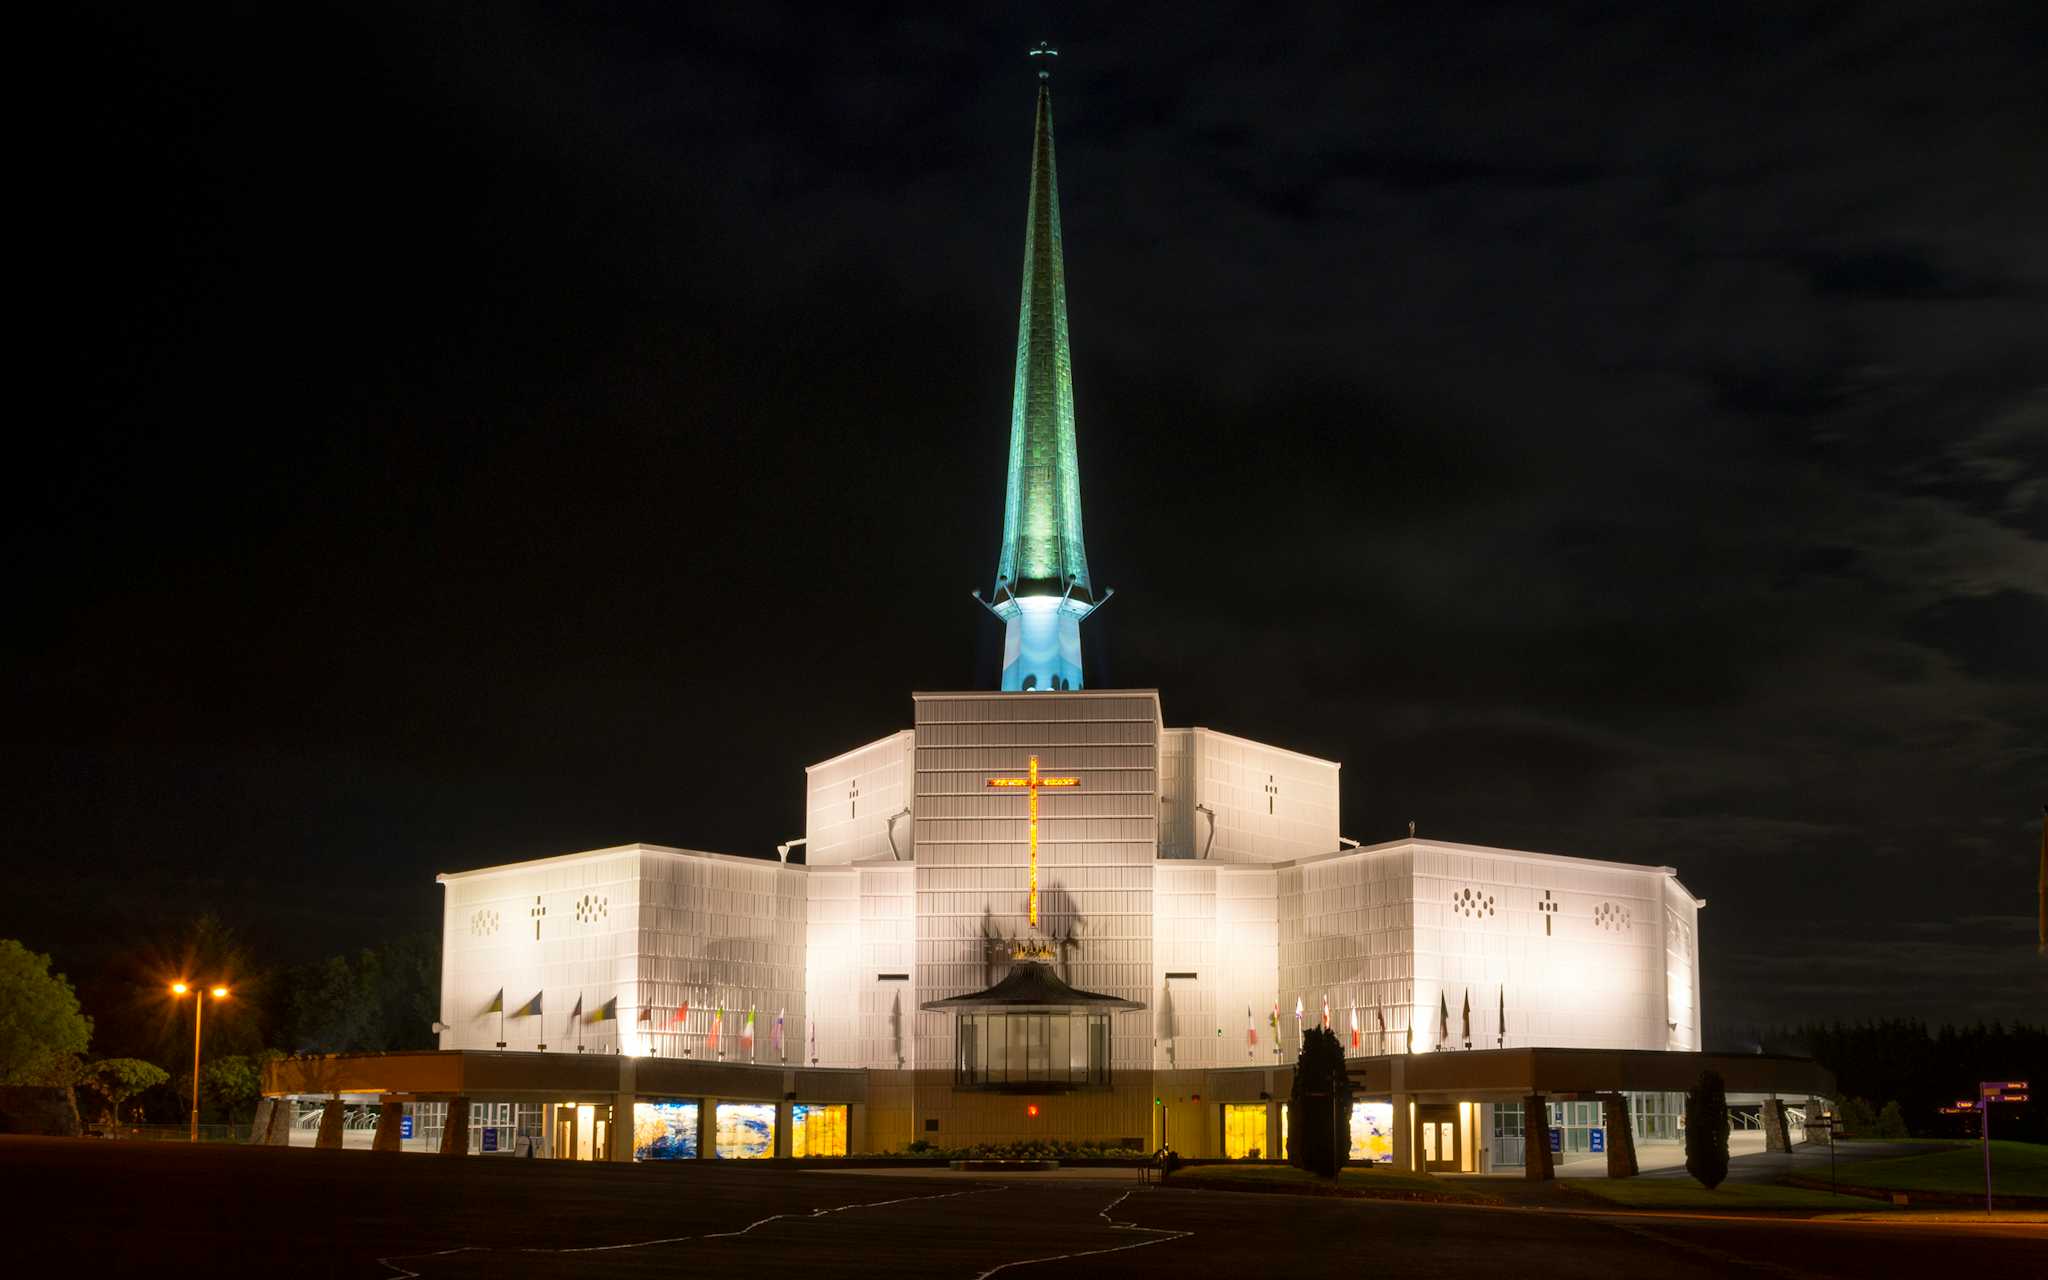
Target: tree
(1319, 1107)
(1706, 1130)
(1857, 1119)
(1891, 1123)
(119, 1079)
(236, 1080)
(42, 1030)
(379, 1000)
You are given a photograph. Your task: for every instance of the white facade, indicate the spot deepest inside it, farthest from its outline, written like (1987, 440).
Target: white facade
(1229, 799)
(646, 926)
(1574, 952)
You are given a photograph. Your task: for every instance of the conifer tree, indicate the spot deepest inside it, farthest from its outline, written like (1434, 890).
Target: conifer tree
(1706, 1130)
(1319, 1106)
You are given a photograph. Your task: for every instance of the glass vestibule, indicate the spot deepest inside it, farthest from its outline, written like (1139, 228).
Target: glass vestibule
(1049, 1050)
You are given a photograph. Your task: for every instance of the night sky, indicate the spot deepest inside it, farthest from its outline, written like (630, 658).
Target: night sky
(468, 436)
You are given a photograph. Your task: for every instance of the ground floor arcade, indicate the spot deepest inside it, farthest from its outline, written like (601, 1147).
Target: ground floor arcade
(1532, 1111)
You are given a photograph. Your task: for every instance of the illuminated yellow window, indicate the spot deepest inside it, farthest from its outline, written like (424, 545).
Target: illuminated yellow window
(1244, 1130)
(816, 1130)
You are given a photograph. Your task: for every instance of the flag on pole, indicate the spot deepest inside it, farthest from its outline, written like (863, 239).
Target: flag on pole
(1443, 1019)
(682, 1015)
(1500, 1026)
(606, 1012)
(1273, 1025)
(1354, 1028)
(814, 1043)
(1326, 1011)
(576, 1014)
(717, 1025)
(1380, 1012)
(1468, 1017)
(747, 1034)
(778, 1035)
(646, 1015)
(1251, 1033)
(497, 1004)
(531, 1009)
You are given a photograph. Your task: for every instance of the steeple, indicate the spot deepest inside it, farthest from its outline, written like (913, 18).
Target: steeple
(1042, 588)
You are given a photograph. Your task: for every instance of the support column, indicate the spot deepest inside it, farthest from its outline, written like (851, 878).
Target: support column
(1404, 1133)
(621, 1131)
(257, 1130)
(330, 1125)
(390, 1124)
(1274, 1149)
(279, 1131)
(707, 1129)
(785, 1116)
(1777, 1132)
(1537, 1165)
(455, 1131)
(1621, 1137)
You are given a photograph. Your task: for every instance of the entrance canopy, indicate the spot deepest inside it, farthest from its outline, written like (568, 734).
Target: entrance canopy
(1031, 1033)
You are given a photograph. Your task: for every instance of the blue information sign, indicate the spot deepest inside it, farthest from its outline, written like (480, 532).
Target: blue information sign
(405, 1126)
(1599, 1141)
(490, 1139)
(1556, 1141)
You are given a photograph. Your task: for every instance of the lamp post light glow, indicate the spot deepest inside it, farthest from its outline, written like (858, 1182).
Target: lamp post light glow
(218, 992)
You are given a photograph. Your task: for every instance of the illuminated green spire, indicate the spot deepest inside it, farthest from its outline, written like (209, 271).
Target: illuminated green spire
(1042, 589)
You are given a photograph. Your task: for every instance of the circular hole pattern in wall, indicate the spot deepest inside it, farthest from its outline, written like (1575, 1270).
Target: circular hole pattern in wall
(1472, 902)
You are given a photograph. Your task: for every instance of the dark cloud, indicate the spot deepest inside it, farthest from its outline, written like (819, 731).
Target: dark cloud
(492, 431)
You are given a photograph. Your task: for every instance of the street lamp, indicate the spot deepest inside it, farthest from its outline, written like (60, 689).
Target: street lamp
(218, 992)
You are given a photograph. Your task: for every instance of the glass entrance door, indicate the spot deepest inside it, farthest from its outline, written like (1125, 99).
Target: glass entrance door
(1439, 1134)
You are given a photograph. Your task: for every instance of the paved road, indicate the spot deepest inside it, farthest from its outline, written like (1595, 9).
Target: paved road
(100, 1208)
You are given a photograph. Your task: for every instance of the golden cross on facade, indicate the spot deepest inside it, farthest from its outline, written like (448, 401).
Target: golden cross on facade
(1033, 783)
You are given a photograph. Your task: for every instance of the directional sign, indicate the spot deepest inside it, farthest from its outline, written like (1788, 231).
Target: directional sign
(1556, 1141)
(405, 1127)
(1599, 1140)
(1994, 1088)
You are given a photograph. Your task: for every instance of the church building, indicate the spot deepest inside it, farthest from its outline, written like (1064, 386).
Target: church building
(1043, 912)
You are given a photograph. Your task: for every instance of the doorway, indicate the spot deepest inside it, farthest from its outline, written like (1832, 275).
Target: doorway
(1438, 1132)
(583, 1131)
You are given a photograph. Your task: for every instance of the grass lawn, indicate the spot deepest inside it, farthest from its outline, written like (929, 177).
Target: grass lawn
(1671, 1193)
(2017, 1168)
(1280, 1177)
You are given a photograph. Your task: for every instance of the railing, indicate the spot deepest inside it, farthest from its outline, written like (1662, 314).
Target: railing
(171, 1132)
